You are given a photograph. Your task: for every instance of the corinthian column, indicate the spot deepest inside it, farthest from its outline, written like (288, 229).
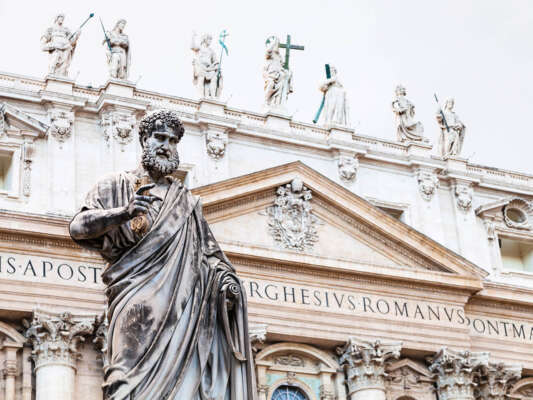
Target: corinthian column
(364, 365)
(456, 373)
(55, 339)
(495, 380)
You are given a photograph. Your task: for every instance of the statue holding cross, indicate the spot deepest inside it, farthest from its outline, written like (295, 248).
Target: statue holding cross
(276, 72)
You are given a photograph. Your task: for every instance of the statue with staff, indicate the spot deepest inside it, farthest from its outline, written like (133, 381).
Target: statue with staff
(452, 129)
(118, 50)
(334, 102)
(207, 72)
(60, 44)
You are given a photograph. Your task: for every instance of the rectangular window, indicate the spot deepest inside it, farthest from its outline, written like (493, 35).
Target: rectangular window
(516, 255)
(5, 172)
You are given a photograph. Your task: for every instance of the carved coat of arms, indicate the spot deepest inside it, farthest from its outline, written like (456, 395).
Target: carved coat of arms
(291, 221)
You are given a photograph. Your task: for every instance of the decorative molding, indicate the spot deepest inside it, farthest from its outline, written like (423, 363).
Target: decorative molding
(348, 167)
(61, 124)
(407, 378)
(257, 335)
(118, 125)
(427, 183)
(28, 150)
(463, 196)
(55, 337)
(516, 214)
(216, 142)
(291, 222)
(495, 380)
(364, 363)
(456, 372)
(100, 338)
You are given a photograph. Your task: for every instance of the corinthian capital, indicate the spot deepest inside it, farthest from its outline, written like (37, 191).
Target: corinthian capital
(495, 379)
(456, 373)
(364, 362)
(55, 337)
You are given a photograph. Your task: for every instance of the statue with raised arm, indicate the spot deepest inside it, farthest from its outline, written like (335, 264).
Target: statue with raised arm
(452, 130)
(407, 128)
(205, 65)
(177, 311)
(60, 44)
(335, 104)
(278, 80)
(118, 51)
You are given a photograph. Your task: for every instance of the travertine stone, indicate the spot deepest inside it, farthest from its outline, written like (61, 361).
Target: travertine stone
(60, 44)
(118, 125)
(452, 130)
(55, 338)
(207, 75)
(118, 51)
(408, 129)
(364, 363)
(61, 124)
(348, 168)
(278, 80)
(463, 196)
(427, 183)
(409, 379)
(336, 109)
(456, 373)
(495, 380)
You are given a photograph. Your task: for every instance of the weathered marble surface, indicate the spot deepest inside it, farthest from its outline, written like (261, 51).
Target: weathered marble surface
(60, 44)
(177, 311)
(206, 74)
(452, 131)
(119, 55)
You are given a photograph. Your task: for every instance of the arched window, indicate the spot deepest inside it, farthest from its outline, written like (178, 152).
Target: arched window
(286, 392)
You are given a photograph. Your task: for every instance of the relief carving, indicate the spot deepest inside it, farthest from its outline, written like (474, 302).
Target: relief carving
(27, 151)
(348, 168)
(364, 362)
(291, 360)
(215, 143)
(55, 338)
(516, 214)
(291, 222)
(118, 125)
(463, 194)
(456, 372)
(61, 124)
(427, 184)
(495, 379)
(100, 338)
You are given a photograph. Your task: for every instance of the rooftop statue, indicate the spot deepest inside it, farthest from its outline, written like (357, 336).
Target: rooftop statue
(60, 44)
(118, 51)
(335, 102)
(177, 311)
(207, 75)
(452, 130)
(407, 128)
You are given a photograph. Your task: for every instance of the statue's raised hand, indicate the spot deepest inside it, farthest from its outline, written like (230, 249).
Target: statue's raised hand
(141, 200)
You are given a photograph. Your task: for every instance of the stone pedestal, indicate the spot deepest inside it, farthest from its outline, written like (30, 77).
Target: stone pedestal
(55, 338)
(340, 133)
(59, 84)
(419, 149)
(364, 364)
(278, 119)
(456, 373)
(117, 87)
(212, 107)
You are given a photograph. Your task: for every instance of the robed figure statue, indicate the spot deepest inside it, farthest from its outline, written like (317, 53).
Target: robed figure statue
(177, 311)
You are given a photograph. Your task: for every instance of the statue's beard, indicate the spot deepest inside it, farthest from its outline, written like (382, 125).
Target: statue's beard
(155, 163)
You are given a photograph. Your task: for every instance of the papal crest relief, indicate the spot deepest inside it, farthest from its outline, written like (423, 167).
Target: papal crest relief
(291, 222)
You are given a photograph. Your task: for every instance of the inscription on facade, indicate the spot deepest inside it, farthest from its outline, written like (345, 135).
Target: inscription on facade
(50, 270)
(387, 307)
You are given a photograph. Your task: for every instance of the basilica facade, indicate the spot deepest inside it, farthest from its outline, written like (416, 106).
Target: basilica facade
(374, 269)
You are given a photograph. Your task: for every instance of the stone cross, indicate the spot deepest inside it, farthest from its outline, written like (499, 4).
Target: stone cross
(288, 47)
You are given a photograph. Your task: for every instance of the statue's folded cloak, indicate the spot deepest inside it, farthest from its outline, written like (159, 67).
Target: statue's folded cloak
(174, 332)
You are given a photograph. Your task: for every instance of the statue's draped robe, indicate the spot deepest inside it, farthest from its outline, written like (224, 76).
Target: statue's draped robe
(336, 105)
(168, 336)
(408, 128)
(450, 142)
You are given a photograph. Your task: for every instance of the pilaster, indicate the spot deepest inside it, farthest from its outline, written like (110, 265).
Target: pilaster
(364, 364)
(456, 373)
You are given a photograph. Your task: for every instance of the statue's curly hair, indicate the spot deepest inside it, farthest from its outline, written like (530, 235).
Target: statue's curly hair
(169, 118)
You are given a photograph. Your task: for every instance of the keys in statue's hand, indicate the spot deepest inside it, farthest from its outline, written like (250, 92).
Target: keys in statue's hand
(141, 200)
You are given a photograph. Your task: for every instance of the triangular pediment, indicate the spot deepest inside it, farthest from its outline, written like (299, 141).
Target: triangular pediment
(349, 233)
(14, 119)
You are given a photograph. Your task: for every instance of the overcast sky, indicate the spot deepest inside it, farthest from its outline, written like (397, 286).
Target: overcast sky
(480, 52)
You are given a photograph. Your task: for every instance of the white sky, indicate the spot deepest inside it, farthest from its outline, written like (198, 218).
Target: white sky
(480, 52)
